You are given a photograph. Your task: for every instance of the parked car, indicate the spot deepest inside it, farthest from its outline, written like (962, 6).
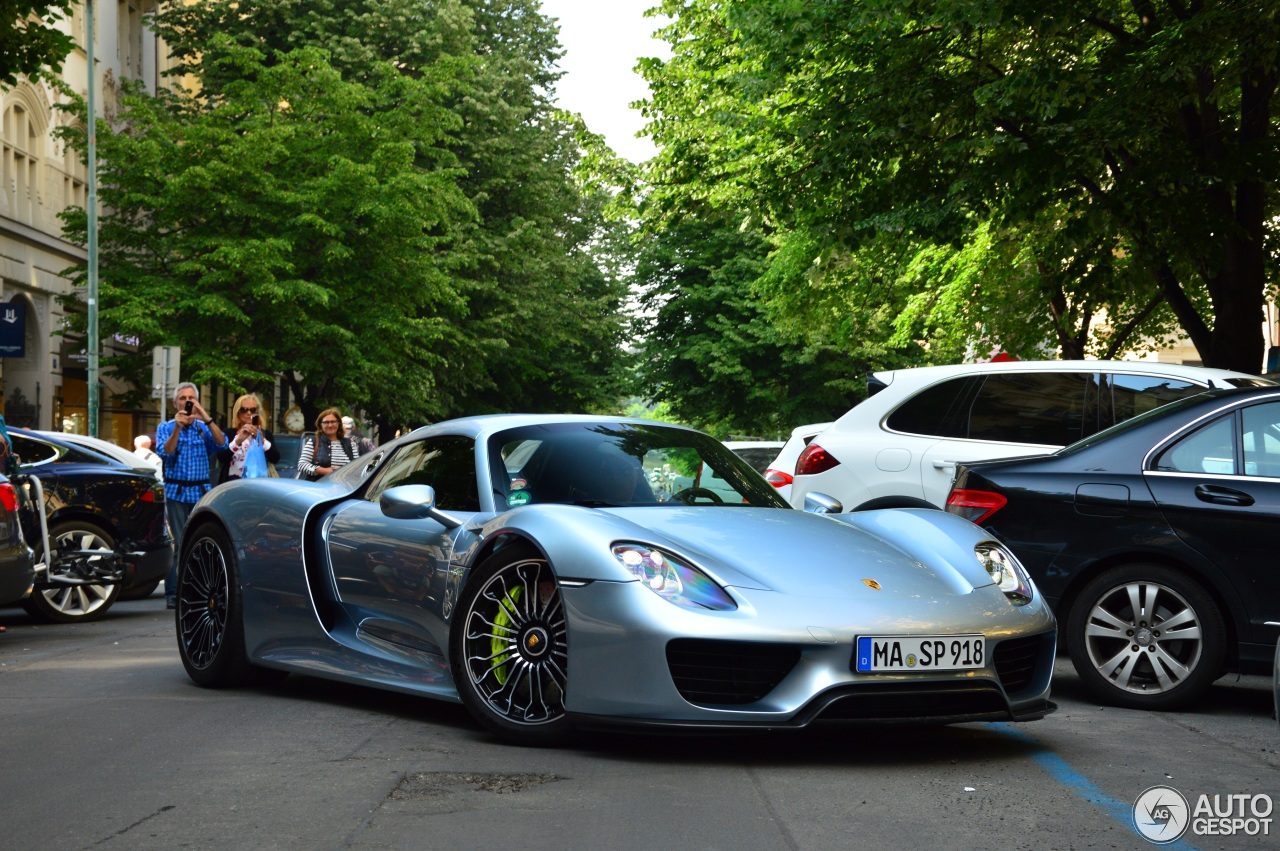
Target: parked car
(757, 454)
(97, 500)
(900, 446)
(1153, 541)
(782, 468)
(290, 446)
(522, 565)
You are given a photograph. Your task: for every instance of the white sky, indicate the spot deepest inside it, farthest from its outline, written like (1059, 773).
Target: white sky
(603, 39)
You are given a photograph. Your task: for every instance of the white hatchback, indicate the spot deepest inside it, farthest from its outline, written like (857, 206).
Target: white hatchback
(899, 448)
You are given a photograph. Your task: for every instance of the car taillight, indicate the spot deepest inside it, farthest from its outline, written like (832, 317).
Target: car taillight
(974, 506)
(154, 493)
(8, 497)
(814, 459)
(777, 478)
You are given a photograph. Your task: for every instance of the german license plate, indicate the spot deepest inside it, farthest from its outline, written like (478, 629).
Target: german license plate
(919, 653)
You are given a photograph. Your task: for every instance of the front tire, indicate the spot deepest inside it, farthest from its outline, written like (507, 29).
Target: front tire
(509, 650)
(75, 603)
(1146, 637)
(210, 614)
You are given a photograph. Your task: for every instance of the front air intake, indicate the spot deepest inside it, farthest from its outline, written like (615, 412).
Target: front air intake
(728, 673)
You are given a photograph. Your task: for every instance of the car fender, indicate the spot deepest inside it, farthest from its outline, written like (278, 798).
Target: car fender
(929, 535)
(581, 554)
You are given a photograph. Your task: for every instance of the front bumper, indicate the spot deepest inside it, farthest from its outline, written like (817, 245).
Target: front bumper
(640, 661)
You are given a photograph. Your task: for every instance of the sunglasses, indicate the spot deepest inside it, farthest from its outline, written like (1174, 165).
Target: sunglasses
(248, 410)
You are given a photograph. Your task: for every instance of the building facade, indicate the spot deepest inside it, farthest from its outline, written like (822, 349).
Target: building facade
(43, 372)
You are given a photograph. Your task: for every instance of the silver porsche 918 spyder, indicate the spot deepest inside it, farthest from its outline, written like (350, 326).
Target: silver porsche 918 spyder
(561, 572)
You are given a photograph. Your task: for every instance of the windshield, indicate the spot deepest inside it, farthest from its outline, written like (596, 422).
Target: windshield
(621, 464)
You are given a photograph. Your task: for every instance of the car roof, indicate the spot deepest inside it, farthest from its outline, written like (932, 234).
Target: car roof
(483, 426)
(116, 454)
(1138, 367)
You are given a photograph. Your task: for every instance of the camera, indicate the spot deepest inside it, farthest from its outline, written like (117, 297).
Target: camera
(188, 407)
(255, 419)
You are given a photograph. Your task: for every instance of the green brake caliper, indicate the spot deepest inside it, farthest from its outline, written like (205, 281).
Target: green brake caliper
(498, 643)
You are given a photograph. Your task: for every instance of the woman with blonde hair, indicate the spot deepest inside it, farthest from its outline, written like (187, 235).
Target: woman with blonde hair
(248, 420)
(329, 450)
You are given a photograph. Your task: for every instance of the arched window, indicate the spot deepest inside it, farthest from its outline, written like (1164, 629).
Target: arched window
(20, 161)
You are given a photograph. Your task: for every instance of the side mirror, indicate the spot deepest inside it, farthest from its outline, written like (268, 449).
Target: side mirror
(820, 503)
(414, 502)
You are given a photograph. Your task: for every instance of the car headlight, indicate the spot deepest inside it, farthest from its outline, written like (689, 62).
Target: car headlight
(673, 579)
(1007, 572)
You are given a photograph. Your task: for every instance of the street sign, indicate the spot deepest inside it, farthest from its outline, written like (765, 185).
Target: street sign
(164, 370)
(13, 330)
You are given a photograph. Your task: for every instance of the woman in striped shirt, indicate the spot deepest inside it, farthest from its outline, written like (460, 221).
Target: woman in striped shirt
(329, 450)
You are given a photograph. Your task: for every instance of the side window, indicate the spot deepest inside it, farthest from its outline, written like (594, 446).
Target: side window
(1262, 440)
(1209, 449)
(941, 410)
(1127, 396)
(32, 451)
(447, 463)
(1033, 407)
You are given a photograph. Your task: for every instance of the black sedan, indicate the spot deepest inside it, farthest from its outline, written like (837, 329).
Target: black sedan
(1153, 542)
(105, 524)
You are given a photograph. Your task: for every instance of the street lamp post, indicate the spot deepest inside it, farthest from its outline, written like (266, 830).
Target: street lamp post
(92, 213)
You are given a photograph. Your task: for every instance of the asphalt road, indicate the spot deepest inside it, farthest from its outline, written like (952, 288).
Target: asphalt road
(108, 745)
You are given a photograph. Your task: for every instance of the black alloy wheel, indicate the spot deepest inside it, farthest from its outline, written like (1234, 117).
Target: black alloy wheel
(210, 614)
(509, 650)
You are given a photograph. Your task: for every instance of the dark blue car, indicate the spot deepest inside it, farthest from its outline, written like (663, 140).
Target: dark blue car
(104, 524)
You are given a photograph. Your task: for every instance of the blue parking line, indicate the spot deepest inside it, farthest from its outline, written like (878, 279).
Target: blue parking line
(1084, 788)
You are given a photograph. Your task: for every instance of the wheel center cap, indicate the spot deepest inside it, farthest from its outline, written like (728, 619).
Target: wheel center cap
(1143, 636)
(534, 642)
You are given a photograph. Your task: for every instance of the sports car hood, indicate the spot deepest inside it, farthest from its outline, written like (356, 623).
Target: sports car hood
(908, 553)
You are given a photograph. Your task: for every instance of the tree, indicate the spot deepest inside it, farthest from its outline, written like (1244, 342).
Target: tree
(30, 41)
(1013, 290)
(1151, 122)
(714, 352)
(283, 224)
(503, 303)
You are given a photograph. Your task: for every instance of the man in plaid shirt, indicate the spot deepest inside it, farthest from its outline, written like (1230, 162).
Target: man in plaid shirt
(185, 444)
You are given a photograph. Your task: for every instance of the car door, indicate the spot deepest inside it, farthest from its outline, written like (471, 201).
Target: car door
(390, 574)
(1013, 414)
(1219, 489)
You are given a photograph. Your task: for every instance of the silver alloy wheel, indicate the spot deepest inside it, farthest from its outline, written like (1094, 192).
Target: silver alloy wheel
(203, 590)
(1144, 637)
(80, 601)
(515, 644)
